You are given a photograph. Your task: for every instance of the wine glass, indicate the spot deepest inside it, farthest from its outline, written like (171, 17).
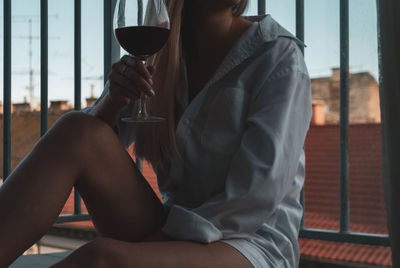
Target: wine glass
(141, 38)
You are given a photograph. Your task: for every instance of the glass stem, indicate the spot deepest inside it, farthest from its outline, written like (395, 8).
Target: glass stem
(141, 109)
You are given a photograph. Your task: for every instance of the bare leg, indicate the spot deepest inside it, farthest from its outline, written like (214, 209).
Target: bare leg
(80, 149)
(105, 252)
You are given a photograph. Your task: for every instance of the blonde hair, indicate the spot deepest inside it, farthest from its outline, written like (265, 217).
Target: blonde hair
(240, 8)
(157, 143)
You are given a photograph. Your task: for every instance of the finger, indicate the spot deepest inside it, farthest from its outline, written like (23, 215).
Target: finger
(140, 82)
(136, 64)
(151, 69)
(139, 75)
(129, 60)
(122, 69)
(119, 67)
(115, 66)
(125, 83)
(119, 79)
(142, 70)
(122, 92)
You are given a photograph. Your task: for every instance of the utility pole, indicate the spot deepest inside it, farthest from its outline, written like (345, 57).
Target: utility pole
(31, 87)
(30, 37)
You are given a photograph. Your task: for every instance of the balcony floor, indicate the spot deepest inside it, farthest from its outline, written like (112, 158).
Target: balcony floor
(39, 260)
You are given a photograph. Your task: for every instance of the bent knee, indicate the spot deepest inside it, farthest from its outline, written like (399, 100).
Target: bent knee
(81, 133)
(82, 126)
(80, 120)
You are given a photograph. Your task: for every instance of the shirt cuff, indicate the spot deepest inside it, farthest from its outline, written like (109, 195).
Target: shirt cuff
(184, 225)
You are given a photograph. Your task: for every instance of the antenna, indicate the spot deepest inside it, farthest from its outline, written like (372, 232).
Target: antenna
(31, 87)
(30, 19)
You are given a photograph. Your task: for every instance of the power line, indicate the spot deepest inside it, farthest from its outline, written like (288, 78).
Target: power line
(25, 18)
(30, 37)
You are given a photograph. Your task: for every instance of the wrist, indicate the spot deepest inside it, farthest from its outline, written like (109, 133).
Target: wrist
(108, 110)
(115, 103)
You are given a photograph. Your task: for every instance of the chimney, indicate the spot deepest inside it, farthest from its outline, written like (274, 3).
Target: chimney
(318, 114)
(336, 74)
(59, 105)
(92, 99)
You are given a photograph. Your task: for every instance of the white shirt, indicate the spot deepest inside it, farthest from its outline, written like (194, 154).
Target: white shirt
(241, 141)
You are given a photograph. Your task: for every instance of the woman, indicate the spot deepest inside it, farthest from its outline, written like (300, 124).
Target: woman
(230, 159)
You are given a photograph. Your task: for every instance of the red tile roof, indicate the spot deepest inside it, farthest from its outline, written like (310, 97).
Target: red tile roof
(322, 193)
(345, 252)
(367, 210)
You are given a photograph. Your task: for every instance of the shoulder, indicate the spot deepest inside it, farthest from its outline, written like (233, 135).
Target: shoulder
(274, 52)
(279, 47)
(280, 59)
(281, 70)
(286, 57)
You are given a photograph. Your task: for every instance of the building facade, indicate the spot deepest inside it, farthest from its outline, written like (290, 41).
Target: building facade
(363, 98)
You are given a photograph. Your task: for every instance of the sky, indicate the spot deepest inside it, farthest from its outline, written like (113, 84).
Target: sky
(321, 37)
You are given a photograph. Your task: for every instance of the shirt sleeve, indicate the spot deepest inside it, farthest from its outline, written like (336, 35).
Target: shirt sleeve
(263, 170)
(125, 132)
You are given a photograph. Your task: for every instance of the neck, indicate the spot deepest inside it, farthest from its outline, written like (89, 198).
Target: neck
(211, 28)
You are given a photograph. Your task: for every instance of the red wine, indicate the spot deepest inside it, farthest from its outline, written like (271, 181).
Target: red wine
(142, 41)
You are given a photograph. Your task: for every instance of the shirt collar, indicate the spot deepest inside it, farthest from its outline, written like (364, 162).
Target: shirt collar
(267, 30)
(264, 30)
(271, 30)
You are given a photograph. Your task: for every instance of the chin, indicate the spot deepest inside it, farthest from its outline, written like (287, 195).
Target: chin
(228, 3)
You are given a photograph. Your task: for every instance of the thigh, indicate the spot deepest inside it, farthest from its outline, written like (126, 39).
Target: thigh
(169, 254)
(120, 201)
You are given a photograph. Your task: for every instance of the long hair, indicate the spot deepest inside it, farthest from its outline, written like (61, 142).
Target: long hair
(157, 143)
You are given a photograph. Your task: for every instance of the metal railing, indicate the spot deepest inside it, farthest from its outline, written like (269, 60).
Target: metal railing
(111, 52)
(344, 234)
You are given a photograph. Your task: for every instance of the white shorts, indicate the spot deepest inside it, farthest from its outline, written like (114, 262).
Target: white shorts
(251, 251)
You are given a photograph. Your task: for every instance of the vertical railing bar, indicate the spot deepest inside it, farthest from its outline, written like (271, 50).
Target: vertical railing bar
(261, 7)
(107, 38)
(300, 36)
(139, 162)
(77, 55)
(140, 12)
(7, 90)
(78, 85)
(300, 22)
(43, 66)
(344, 115)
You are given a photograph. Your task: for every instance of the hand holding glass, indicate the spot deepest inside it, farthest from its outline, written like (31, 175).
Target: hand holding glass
(141, 38)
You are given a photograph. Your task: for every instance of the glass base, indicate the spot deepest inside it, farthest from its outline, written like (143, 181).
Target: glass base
(148, 120)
